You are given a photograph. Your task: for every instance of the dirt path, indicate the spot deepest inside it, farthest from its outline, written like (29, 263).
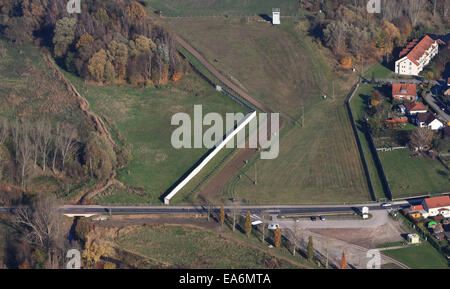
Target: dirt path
(217, 184)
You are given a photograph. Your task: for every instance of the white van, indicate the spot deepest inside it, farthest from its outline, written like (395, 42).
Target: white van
(273, 226)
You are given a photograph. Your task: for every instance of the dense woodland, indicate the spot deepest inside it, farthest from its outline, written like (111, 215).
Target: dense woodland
(108, 41)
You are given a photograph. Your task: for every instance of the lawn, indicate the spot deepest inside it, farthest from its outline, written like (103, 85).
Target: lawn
(142, 117)
(219, 7)
(412, 176)
(318, 162)
(191, 247)
(359, 104)
(419, 257)
(378, 71)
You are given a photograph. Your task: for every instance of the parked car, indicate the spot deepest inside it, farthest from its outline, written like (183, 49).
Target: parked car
(313, 218)
(386, 205)
(273, 226)
(322, 218)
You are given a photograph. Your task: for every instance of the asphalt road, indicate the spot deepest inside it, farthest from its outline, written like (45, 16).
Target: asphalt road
(266, 210)
(432, 102)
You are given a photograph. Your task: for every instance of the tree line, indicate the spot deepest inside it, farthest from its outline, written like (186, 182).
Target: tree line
(109, 41)
(29, 148)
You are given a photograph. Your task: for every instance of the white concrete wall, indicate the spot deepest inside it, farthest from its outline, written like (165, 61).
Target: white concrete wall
(219, 146)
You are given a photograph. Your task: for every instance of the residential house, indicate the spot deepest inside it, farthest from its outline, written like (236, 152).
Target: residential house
(416, 211)
(404, 91)
(416, 55)
(436, 206)
(428, 120)
(413, 108)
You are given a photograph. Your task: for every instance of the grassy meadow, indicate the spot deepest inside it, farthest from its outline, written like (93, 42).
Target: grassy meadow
(285, 70)
(142, 117)
(419, 257)
(192, 247)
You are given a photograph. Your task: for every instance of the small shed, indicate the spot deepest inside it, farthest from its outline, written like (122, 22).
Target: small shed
(413, 239)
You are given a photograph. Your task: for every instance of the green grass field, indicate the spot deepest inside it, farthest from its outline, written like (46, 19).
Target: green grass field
(411, 176)
(359, 106)
(378, 71)
(142, 117)
(194, 248)
(317, 163)
(420, 257)
(193, 8)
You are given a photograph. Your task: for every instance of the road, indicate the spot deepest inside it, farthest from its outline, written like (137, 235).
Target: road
(432, 102)
(266, 210)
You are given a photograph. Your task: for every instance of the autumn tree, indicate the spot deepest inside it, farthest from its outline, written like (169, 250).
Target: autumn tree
(64, 35)
(343, 261)
(277, 237)
(97, 64)
(310, 249)
(248, 224)
(376, 98)
(99, 157)
(222, 215)
(421, 138)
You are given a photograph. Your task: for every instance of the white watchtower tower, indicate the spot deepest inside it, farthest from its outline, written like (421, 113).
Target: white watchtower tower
(276, 16)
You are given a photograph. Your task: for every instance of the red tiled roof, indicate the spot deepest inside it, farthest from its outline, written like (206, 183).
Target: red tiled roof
(415, 106)
(404, 89)
(415, 49)
(437, 202)
(416, 208)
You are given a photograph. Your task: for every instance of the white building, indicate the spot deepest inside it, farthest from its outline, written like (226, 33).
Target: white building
(276, 16)
(437, 206)
(428, 120)
(416, 56)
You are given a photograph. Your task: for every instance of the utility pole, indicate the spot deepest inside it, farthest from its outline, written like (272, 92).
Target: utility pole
(263, 227)
(234, 219)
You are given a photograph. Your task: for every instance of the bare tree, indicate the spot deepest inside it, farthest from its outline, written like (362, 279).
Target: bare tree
(42, 225)
(4, 130)
(445, 6)
(421, 138)
(23, 147)
(414, 10)
(66, 141)
(44, 128)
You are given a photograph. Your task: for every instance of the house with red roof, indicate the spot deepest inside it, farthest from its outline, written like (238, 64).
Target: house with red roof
(416, 55)
(404, 91)
(413, 108)
(436, 206)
